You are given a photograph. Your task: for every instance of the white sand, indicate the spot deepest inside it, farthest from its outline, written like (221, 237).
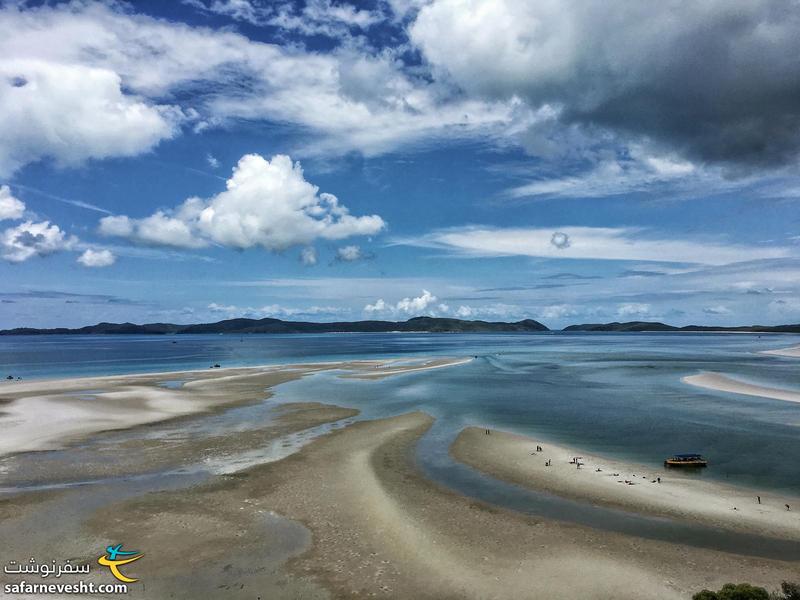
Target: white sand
(47, 414)
(723, 383)
(793, 352)
(508, 456)
(388, 368)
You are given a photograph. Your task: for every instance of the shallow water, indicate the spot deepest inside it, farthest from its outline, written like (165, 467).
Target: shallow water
(618, 395)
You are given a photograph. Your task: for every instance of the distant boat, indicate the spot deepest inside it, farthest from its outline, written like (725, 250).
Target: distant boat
(686, 460)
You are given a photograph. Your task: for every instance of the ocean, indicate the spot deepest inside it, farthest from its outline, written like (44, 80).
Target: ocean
(618, 395)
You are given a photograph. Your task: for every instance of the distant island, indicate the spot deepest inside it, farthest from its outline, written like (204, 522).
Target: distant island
(242, 326)
(415, 325)
(642, 326)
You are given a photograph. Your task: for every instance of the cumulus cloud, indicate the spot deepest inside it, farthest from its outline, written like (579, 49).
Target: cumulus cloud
(212, 161)
(350, 253)
(10, 207)
(407, 306)
(308, 256)
(714, 81)
(266, 203)
(464, 312)
(97, 258)
(71, 113)
(558, 311)
(633, 309)
(29, 239)
(109, 69)
(604, 243)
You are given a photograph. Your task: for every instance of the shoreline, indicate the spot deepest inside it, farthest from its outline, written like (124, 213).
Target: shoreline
(624, 485)
(723, 383)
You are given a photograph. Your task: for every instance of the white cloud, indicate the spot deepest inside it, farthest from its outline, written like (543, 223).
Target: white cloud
(97, 258)
(636, 171)
(323, 17)
(379, 306)
(274, 311)
(109, 69)
(29, 239)
(558, 311)
(308, 256)
(10, 207)
(267, 203)
(408, 306)
(241, 10)
(464, 312)
(418, 304)
(349, 253)
(717, 310)
(633, 309)
(71, 113)
(212, 161)
(604, 243)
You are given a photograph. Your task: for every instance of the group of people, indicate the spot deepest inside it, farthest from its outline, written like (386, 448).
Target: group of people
(548, 462)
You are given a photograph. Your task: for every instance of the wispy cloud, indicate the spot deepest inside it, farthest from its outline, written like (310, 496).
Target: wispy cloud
(590, 243)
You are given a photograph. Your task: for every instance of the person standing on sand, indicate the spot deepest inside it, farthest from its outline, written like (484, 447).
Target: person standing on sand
(759, 499)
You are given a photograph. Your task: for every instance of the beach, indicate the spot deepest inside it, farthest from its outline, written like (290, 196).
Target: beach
(625, 485)
(309, 499)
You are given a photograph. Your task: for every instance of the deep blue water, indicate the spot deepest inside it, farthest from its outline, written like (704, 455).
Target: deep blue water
(614, 394)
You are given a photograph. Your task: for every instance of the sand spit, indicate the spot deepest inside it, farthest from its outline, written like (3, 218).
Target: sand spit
(723, 383)
(793, 352)
(379, 528)
(389, 368)
(624, 485)
(47, 414)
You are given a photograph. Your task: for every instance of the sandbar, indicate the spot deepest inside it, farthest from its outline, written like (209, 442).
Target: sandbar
(626, 485)
(724, 383)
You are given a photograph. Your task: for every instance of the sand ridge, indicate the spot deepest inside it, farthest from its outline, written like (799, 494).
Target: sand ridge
(725, 383)
(625, 485)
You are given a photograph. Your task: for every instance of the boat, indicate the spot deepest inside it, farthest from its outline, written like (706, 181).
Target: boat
(686, 460)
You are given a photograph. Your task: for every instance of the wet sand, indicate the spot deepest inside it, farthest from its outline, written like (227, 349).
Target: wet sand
(723, 383)
(347, 515)
(53, 524)
(379, 528)
(625, 485)
(47, 414)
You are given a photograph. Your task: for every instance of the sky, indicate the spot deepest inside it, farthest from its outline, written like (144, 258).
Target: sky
(568, 161)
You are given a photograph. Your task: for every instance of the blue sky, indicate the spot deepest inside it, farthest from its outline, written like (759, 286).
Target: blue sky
(324, 160)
